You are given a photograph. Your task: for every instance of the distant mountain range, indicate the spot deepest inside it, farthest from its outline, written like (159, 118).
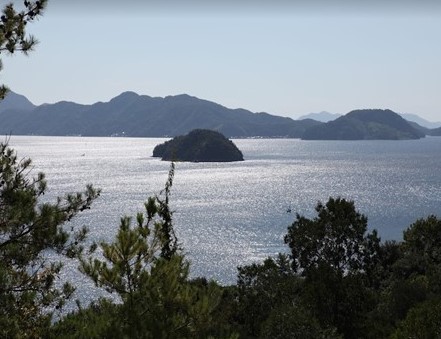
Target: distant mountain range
(133, 115)
(420, 121)
(16, 101)
(322, 116)
(369, 124)
(436, 132)
(130, 114)
(326, 117)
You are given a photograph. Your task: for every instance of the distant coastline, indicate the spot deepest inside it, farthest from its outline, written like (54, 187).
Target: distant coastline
(133, 115)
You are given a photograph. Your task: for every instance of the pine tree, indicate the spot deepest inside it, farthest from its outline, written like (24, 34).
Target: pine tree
(13, 37)
(146, 268)
(28, 230)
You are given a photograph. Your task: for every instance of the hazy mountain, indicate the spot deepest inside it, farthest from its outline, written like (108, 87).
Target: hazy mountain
(322, 116)
(130, 114)
(424, 130)
(435, 132)
(420, 121)
(17, 102)
(365, 124)
(326, 117)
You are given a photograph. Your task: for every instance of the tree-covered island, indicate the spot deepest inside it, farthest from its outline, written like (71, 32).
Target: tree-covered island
(200, 145)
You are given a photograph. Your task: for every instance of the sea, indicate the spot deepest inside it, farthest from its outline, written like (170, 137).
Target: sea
(233, 214)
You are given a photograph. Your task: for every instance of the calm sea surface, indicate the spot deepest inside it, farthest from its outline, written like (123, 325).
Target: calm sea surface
(230, 214)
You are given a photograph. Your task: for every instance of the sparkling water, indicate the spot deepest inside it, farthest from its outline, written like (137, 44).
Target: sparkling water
(232, 214)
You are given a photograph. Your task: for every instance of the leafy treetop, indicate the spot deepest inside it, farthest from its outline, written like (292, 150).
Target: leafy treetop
(335, 238)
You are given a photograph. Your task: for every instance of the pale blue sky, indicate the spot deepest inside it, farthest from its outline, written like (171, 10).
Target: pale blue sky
(284, 58)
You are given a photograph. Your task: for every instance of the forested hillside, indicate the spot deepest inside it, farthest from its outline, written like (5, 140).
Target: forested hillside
(369, 124)
(133, 115)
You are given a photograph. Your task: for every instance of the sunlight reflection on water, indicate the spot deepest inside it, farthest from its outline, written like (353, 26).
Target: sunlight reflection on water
(230, 214)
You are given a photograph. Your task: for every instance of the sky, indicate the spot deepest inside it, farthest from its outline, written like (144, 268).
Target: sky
(287, 58)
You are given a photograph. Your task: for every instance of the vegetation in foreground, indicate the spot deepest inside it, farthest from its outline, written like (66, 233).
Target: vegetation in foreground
(337, 280)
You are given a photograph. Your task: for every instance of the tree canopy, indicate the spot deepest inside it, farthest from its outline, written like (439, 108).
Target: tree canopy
(336, 238)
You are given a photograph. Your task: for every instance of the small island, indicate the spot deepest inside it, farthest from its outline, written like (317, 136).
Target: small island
(200, 145)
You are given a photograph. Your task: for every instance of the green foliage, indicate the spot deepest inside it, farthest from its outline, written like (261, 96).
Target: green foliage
(294, 322)
(98, 320)
(13, 30)
(422, 245)
(336, 256)
(337, 282)
(422, 322)
(271, 303)
(136, 248)
(335, 238)
(415, 275)
(409, 278)
(261, 289)
(145, 268)
(28, 229)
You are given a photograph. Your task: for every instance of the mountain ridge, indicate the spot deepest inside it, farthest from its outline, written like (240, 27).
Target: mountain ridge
(420, 121)
(16, 101)
(131, 114)
(366, 124)
(325, 116)
(321, 116)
